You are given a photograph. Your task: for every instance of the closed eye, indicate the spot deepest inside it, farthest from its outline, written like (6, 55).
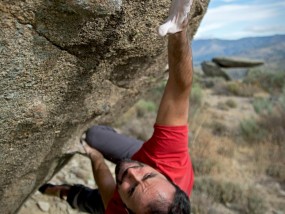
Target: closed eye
(147, 176)
(132, 189)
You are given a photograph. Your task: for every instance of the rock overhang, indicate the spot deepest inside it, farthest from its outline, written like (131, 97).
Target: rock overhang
(66, 65)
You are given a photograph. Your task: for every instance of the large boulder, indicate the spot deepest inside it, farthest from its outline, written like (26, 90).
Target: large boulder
(211, 69)
(233, 62)
(66, 65)
(236, 73)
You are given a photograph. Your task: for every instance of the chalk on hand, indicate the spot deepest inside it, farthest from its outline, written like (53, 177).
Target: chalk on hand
(178, 13)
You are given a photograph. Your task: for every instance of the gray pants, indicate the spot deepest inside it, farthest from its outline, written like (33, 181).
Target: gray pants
(114, 147)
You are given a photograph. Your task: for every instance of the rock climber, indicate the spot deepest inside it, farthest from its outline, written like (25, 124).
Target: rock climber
(151, 177)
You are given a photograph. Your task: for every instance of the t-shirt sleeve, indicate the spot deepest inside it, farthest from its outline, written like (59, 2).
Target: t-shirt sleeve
(115, 205)
(167, 151)
(168, 140)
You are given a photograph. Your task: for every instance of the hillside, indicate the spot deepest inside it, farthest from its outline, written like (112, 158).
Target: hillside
(271, 49)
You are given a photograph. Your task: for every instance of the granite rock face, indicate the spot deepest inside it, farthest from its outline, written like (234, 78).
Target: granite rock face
(66, 65)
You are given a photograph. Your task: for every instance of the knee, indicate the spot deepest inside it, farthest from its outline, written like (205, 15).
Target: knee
(97, 132)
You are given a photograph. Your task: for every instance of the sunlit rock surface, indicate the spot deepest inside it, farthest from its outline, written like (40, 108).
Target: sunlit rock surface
(66, 65)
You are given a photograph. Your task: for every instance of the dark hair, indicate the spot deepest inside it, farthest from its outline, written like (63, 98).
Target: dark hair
(179, 205)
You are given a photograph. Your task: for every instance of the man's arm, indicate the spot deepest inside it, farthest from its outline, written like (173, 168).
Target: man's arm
(174, 106)
(101, 173)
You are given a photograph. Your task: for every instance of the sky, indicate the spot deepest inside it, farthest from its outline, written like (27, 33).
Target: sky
(235, 19)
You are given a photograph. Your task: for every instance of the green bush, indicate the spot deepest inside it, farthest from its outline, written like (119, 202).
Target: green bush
(255, 202)
(231, 103)
(233, 88)
(281, 99)
(219, 128)
(262, 105)
(230, 192)
(269, 81)
(222, 106)
(251, 130)
(143, 107)
(271, 124)
(156, 93)
(196, 95)
(276, 170)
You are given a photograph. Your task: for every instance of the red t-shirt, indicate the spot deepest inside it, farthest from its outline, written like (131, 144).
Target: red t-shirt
(167, 152)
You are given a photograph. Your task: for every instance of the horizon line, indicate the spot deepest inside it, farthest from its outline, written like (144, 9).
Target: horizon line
(216, 38)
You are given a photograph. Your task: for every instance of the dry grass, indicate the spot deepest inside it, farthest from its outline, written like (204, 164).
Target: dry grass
(236, 89)
(203, 155)
(270, 81)
(275, 124)
(210, 154)
(224, 167)
(231, 194)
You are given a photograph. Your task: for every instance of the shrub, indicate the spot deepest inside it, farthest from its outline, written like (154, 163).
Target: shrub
(262, 106)
(143, 106)
(196, 95)
(219, 128)
(276, 170)
(236, 89)
(255, 202)
(231, 103)
(251, 131)
(275, 125)
(276, 159)
(271, 125)
(269, 81)
(222, 106)
(282, 99)
(233, 88)
(156, 93)
(230, 192)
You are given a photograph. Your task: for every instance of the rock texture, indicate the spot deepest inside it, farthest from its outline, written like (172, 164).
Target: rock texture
(66, 65)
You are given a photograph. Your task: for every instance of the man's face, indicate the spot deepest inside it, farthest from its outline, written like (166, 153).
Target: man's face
(139, 184)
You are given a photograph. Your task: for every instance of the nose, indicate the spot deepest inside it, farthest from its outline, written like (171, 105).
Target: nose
(135, 173)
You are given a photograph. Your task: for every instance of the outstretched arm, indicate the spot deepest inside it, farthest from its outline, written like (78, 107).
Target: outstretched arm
(174, 106)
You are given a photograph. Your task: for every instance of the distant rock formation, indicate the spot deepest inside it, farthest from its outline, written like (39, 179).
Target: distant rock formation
(233, 62)
(211, 69)
(66, 65)
(229, 68)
